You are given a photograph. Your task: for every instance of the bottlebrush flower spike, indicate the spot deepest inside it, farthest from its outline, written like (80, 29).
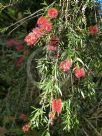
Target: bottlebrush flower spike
(38, 32)
(65, 65)
(30, 39)
(19, 61)
(26, 128)
(93, 30)
(47, 27)
(52, 48)
(52, 12)
(23, 117)
(19, 47)
(54, 105)
(58, 105)
(79, 72)
(11, 42)
(54, 40)
(42, 20)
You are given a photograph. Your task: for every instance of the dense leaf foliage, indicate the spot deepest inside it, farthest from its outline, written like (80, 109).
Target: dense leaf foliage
(51, 68)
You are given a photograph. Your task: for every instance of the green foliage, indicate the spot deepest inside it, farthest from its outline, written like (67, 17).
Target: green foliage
(38, 118)
(39, 79)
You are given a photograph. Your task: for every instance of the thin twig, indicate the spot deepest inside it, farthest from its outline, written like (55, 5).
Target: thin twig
(26, 18)
(85, 132)
(9, 5)
(40, 10)
(90, 124)
(21, 24)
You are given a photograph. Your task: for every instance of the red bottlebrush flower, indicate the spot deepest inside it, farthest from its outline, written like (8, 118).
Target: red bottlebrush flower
(51, 115)
(44, 24)
(47, 27)
(53, 12)
(19, 61)
(52, 48)
(30, 39)
(11, 42)
(38, 32)
(23, 117)
(93, 30)
(54, 104)
(79, 72)
(58, 105)
(54, 40)
(42, 20)
(19, 47)
(65, 65)
(26, 128)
